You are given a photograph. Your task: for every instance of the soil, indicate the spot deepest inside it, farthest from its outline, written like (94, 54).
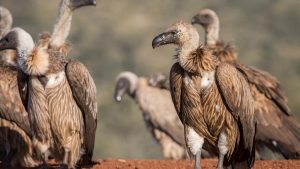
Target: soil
(182, 164)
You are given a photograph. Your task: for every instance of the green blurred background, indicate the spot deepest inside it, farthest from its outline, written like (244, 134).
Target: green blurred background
(116, 36)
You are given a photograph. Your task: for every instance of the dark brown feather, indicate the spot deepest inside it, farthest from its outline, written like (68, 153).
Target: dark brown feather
(85, 93)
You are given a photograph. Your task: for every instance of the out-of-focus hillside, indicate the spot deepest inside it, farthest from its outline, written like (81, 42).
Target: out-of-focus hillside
(116, 36)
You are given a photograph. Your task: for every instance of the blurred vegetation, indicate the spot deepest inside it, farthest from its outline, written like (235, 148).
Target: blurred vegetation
(116, 36)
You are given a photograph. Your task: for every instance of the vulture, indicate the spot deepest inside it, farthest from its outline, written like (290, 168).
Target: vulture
(278, 129)
(157, 108)
(60, 95)
(212, 100)
(15, 133)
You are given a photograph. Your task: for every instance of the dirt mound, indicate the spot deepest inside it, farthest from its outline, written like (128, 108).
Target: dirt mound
(188, 164)
(182, 164)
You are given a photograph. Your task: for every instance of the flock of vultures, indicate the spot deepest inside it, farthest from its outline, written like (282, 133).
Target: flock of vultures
(210, 106)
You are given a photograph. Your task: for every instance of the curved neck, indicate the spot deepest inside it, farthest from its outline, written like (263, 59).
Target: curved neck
(63, 24)
(212, 34)
(187, 47)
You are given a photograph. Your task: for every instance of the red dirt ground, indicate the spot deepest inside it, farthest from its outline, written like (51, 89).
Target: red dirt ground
(183, 164)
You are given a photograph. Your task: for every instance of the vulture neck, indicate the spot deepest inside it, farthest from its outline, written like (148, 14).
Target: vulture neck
(63, 25)
(212, 34)
(24, 49)
(195, 58)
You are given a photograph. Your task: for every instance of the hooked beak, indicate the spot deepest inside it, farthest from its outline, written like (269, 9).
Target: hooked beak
(163, 39)
(80, 3)
(194, 20)
(3, 45)
(118, 94)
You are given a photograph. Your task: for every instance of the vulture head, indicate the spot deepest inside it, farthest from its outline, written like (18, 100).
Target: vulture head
(206, 18)
(209, 20)
(180, 33)
(126, 83)
(5, 21)
(16, 39)
(80, 3)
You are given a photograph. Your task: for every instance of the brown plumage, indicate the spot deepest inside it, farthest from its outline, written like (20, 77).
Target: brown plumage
(212, 99)
(60, 95)
(158, 111)
(278, 129)
(15, 133)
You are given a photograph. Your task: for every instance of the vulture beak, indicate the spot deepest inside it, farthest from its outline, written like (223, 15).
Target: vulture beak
(80, 3)
(3, 44)
(163, 39)
(194, 19)
(119, 92)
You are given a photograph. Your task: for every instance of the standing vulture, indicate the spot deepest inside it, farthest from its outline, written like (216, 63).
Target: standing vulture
(158, 111)
(212, 99)
(60, 94)
(15, 133)
(278, 129)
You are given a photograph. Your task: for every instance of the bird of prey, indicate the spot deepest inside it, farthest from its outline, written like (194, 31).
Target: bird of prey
(60, 94)
(212, 99)
(278, 129)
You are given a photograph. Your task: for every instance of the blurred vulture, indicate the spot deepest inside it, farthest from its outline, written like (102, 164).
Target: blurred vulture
(157, 108)
(15, 133)
(60, 95)
(278, 129)
(212, 99)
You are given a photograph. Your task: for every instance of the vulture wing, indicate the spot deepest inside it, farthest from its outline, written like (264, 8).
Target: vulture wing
(84, 93)
(236, 94)
(266, 84)
(155, 103)
(11, 105)
(176, 75)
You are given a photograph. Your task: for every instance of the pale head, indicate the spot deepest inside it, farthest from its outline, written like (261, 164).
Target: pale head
(6, 21)
(126, 83)
(180, 33)
(17, 39)
(206, 18)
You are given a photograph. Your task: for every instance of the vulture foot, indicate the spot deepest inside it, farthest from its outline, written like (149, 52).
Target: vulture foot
(197, 160)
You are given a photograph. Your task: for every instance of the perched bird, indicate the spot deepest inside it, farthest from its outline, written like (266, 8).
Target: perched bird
(278, 129)
(212, 99)
(158, 111)
(15, 133)
(61, 94)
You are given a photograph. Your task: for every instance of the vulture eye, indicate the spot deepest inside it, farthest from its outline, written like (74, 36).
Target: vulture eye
(206, 16)
(6, 39)
(173, 33)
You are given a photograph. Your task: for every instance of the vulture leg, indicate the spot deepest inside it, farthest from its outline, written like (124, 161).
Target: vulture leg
(45, 159)
(66, 159)
(223, 149)
(198, 160)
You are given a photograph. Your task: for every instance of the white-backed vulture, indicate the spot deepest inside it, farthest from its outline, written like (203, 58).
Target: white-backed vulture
(278, 129)
(61, 94)
(158, 111)
(15, 133)
(212, 99)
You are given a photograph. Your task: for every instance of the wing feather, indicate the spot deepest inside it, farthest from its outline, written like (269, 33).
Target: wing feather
(267, 84)
(11, 105)
(236, 93)
(85, 93)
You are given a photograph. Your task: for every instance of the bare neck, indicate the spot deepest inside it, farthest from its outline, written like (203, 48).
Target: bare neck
(63, 25)
(212, 34)
(185, 49)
